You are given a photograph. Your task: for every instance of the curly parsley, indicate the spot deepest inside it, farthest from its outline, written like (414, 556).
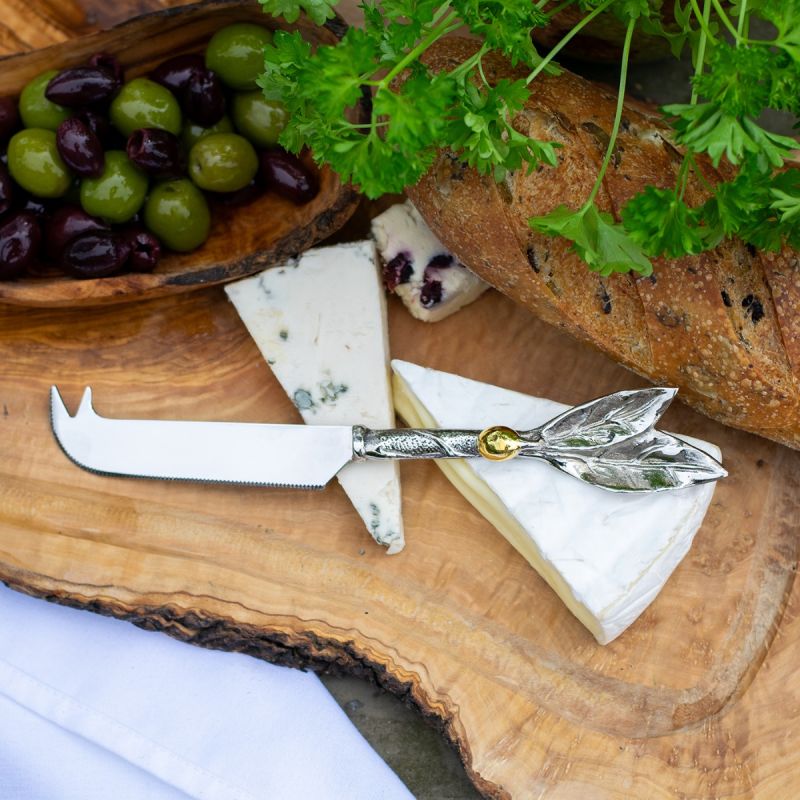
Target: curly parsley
(416, 112)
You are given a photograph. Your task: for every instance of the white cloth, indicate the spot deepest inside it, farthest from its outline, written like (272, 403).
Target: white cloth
(93, 708)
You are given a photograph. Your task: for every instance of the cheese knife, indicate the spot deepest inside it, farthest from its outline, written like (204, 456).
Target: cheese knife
(610, 442)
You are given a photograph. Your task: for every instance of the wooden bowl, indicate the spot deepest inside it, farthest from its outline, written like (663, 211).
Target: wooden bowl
(242, 240)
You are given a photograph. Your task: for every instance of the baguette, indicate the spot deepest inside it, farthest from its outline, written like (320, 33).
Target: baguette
(723, 326)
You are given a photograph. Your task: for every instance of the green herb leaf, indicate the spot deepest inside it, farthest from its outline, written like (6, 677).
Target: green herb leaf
(417, 113)
(318, 10)
(737, 78)
(484, 136)
(603, 244)
(784, 91)
(785, 16)
(662, 224)
(505, 25)
(756, 206)
(627, 10)
(375, 164)
(708, 128)
(786, 191)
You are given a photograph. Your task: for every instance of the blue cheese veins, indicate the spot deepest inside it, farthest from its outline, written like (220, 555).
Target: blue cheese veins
(320, 323)
(326, 392)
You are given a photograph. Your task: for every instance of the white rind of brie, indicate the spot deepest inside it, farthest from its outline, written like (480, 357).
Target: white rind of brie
(401, 229)
(320, 323)
(606, 555)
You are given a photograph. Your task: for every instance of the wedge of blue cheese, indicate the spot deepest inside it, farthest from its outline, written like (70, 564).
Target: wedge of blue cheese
(419, 269)
(606, 555)
(320, 323)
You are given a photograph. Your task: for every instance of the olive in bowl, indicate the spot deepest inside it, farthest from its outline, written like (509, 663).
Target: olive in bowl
(236, 54)
(35, 164)
(119, 172)
(35, 110)
(177, 213)
(143, 103)
(224, 162)
(118, 193)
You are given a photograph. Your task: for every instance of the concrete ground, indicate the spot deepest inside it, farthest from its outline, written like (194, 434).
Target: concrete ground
(414, 750)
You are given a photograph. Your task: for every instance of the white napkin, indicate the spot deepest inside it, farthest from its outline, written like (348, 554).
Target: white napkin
(93, 708)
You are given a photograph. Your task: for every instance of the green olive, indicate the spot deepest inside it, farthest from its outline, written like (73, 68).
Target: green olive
(177, 213)
(143, 103)
(223, 162)
(236, 54)
(34, 163)
(35, 109)
(193, 133)
(258, 119)
(118, 193)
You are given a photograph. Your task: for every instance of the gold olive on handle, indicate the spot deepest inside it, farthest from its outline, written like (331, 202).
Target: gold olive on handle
(499, 443)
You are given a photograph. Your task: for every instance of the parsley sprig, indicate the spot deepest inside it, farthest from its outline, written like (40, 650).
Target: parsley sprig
(416, 112)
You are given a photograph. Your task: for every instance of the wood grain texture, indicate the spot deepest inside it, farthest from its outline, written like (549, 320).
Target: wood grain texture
(242, 240)
(698, 699)
(458, 623)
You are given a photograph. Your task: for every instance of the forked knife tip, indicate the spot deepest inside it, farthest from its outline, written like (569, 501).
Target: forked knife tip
(58, 408)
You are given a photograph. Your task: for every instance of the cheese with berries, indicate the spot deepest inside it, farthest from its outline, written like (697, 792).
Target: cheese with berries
(320, 323)
(419, 269)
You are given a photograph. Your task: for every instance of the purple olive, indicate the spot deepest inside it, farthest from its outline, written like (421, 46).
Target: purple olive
(80, 148)
(6, 190)
(155, 151)
(81, 86)
(20, 237)
(66, 224)
(111, 65)
(96, 122)
(175, 73)
(145, 249)
(286, 175)
(9, 117)
(38, 206)
(204, 98)
(96, 255)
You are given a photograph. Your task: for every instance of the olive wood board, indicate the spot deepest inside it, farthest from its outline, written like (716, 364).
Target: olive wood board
(700, 698)
(243, 239)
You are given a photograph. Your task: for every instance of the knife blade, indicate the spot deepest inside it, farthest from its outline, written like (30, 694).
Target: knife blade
(610, 443)
(290, 456)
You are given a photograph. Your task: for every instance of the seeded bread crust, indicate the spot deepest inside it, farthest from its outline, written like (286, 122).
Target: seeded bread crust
(724, 326)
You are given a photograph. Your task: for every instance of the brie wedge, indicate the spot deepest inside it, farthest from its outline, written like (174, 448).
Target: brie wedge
(606, 555)
(320, 323)
(419, 269)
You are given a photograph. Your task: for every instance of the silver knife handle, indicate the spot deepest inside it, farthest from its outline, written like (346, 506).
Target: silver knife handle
(414, 443)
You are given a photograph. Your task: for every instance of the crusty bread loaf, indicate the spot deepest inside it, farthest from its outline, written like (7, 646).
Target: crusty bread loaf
(723, 326)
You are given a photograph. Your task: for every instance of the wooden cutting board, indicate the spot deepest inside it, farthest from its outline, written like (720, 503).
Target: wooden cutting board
(700, 698)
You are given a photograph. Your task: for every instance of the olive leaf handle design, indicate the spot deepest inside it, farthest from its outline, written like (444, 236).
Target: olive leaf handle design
(652, 461)
(610, 442)
(609, 420)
